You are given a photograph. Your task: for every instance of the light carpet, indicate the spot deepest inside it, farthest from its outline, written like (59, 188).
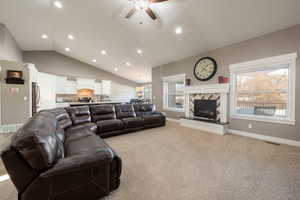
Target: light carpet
(177, 163)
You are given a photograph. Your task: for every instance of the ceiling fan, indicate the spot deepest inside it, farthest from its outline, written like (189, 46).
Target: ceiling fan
(143, 5)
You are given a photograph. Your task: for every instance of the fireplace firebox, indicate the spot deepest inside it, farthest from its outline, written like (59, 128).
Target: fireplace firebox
(205, 109)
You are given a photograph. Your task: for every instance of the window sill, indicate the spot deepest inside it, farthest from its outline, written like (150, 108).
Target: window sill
(174, 110)
(263, 119)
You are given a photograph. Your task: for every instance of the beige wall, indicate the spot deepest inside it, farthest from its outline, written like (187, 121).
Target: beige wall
(14, 108)
(9, 48)
(278, 43)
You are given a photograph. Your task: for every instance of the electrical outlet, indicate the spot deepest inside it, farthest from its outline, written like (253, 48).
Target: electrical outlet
(249, 126)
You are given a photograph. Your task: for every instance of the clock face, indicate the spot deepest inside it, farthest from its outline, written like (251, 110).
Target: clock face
(205, 69)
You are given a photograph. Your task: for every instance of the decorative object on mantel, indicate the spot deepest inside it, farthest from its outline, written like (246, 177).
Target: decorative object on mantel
(14, 77)
(205, 68)
(223, 79)
(187, 81)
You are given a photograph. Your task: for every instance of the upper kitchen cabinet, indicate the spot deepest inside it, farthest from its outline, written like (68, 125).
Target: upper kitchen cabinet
(106, 87)
(98, 87)
(85, 84)
(33, 73)
(61, 83)
(47, 90)
(65, 85)
(71, 86)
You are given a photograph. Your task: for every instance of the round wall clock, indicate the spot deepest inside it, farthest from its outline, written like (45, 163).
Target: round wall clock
(205, 68)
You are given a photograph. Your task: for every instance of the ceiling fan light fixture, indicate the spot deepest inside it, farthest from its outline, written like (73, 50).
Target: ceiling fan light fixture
(141, 4)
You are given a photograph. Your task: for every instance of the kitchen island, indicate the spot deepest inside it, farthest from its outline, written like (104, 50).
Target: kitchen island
(73, 104)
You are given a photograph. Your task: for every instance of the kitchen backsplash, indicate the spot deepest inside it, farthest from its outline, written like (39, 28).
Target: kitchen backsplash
(74, 98)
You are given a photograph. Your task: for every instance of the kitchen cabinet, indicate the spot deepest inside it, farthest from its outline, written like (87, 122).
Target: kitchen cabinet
(83, 83)
(71, 86)
(106, 87)
(98, 88)
(61, 83)
(65, 85)
(47, 90)
(33, 73)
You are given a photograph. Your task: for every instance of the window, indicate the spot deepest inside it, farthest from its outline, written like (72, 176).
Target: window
(174, 92)
(264, 90)
(148, 92)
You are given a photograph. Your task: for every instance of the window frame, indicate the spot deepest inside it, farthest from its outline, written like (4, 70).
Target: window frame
(178, 77)
(275, 62)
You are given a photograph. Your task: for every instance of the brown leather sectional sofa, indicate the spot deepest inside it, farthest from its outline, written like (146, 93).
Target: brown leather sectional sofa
(58, 154)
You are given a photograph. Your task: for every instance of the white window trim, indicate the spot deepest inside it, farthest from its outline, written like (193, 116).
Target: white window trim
(165, 102)
(265, 63)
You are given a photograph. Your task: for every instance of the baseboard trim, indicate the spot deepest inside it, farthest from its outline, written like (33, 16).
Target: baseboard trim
(173, 120)
(265, 138)
(10, 128)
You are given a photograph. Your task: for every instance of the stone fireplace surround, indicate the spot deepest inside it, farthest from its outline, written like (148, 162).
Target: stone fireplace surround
(219, 92)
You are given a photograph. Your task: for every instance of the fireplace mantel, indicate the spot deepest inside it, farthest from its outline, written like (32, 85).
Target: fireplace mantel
(221, 89)
(208, 88)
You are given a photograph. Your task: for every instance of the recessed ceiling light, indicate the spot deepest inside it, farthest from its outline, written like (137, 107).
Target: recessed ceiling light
(103, 52)
(71, 37)
(94, 60)
(116, 69)
(139, 51)
(44, 36)
(67, 49)
(58, 4)
(178, 30)
(128, 64)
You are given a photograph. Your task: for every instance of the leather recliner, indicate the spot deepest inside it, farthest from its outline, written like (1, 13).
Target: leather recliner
(45, 165)
(150, 116)
(105, 118)
(127, 115)
(81, 118)
(57, 155)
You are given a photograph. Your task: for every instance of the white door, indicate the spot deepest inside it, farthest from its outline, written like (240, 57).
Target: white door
(47, 90)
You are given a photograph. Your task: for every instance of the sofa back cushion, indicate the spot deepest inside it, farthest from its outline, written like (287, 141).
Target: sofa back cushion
(37, 142)
(80, 114)
(124, 111)
(63, 118)
(144, 109)
(102, 112)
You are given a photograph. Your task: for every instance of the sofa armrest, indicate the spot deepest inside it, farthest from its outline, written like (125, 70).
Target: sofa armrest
(76, 177)
(80, 162)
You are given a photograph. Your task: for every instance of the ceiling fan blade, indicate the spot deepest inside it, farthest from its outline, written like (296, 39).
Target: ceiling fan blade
(151, 13)
(157, 1)
(131, 12)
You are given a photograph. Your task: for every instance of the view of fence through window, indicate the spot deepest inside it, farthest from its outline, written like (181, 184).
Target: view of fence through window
(176, 94)
(263, 93)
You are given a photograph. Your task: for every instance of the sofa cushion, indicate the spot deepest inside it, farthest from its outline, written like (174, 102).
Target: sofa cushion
(144, 109)
(109, 125)
(74, 134)
(85, 145)
(124, 111)
(37, 142)
(62, 117)
(133, 122)
(86, 125)
(102, 112)
(80, 114)
(153, 118)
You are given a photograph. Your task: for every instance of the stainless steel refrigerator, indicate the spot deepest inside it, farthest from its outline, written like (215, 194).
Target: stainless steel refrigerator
(35, 98)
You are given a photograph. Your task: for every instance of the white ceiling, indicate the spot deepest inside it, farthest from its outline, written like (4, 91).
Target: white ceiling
(100, 24)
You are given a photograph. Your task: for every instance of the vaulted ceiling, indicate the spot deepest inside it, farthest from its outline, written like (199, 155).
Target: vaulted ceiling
(101, 25)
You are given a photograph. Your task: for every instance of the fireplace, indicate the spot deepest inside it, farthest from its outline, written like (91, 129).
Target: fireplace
(205, 109)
